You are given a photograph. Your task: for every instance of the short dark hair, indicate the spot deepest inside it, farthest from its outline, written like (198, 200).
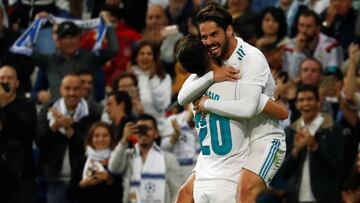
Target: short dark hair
(192, 55)
(310, 13)
(115, 82)
(311, 59)
(308, 88)
(216, 13)
(122, 96)
(144, 116)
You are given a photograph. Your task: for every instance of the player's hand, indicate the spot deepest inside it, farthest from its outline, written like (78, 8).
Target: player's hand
(226, 73)
(200, 104)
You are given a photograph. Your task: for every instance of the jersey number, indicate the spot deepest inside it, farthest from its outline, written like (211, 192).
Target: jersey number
(215, 121)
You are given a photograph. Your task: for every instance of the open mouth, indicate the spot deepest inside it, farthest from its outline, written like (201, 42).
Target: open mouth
(214, 49)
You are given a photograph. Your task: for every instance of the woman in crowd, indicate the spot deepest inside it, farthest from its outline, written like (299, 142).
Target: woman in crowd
(272, 29)
(91, 181)
(154, 84)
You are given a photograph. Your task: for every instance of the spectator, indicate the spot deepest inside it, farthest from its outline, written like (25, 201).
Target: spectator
(315, 146)
(91, 181)
(341, 107)
(155, 32)
(143, 162)
(339, 21)
(310, 42)
(181, 139)
(238, 8)
(154, 83)
(61, 131)
(19, 124)
(69, 57)
(178, 12)
(22, 12)
(155, 20)
(128, 82)
(118, 107)
(87, 86)
(127, 38)
(22, 64)
(310, 72)
(11, 161)
(273, 28)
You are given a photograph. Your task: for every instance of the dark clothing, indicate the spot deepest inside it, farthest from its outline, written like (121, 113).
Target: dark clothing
(342, 29)
(57, 66)
(182, 17)
(24, 13)
(20, 123)
(325, 163)
(118, 131)
(53, 145)
(11, 162)
(99, 193)
(23, 65)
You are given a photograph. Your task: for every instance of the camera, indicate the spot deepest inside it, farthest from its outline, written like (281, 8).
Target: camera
(6, 87)
(142, 129)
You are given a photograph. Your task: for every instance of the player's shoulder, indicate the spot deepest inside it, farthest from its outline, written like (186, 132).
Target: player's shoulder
(246, 50)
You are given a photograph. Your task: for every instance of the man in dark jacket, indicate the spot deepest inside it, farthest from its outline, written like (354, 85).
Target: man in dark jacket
(19, 124)
(315, 147)
(62, 128)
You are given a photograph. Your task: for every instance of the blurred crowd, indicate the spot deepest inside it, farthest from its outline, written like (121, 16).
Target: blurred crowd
(85, 124)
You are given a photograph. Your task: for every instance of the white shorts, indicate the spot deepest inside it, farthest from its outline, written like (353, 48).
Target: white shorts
(265, 157)
(215, 191)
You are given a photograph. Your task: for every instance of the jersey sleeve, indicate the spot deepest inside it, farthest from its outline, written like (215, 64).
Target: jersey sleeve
(254, 74)
(194, 87)
(244, 107)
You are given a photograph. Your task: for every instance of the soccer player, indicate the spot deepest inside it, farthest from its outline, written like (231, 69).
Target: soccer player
(228, 158)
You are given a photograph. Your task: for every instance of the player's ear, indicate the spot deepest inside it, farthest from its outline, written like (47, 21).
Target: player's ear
(229, 31)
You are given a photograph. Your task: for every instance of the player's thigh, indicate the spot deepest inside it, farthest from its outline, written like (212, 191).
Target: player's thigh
(215, 191)
(265, 158)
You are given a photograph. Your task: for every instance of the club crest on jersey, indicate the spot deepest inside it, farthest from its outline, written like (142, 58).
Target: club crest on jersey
(212, 95)
(240, 52)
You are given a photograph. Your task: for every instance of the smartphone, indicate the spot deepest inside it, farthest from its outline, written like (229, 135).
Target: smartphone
(169, 30)
(6, 87)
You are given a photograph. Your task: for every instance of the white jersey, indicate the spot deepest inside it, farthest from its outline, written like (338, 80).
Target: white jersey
(222, 140)
(260, 125)
(237, 103)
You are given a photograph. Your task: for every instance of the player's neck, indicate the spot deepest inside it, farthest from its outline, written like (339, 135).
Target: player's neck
(232, 46)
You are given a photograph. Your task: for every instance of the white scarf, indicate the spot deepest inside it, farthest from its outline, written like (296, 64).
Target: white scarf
(148, 179)
(314, 125)
(81, 111)
(24, 44)
(93, 163)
